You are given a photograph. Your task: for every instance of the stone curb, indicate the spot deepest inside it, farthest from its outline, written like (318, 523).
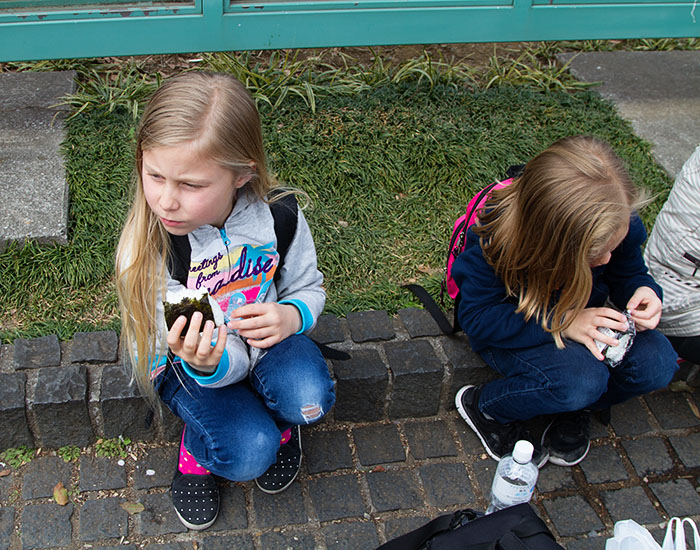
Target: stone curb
(54, 394)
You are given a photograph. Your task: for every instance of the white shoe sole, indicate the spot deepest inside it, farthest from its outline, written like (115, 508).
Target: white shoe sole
(194, 526)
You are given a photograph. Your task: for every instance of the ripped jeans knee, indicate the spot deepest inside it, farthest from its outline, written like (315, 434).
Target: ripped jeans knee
(311, 413)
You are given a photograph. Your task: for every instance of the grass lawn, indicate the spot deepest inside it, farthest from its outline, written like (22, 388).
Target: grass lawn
(387, 169)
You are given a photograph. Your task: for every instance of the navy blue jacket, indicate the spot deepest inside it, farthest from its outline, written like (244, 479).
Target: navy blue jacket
(488, 316)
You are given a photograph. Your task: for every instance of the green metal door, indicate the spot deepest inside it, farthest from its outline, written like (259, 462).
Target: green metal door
(52, 29)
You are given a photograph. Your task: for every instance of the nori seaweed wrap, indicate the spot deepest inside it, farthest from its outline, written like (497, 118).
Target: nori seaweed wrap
(186, 302)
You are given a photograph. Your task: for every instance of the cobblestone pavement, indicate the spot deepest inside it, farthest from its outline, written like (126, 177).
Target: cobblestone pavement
(363, 482)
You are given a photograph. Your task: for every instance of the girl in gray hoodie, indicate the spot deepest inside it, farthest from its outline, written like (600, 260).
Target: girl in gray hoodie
(244, 384)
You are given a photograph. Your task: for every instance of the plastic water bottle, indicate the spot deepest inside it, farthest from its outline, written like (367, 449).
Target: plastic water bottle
(515, 478)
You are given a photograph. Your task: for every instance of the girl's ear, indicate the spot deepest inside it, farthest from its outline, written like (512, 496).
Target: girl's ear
(245, 178)
(242, 180)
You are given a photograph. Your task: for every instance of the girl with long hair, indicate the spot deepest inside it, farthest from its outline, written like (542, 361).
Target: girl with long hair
(552, 262)
(242, 388)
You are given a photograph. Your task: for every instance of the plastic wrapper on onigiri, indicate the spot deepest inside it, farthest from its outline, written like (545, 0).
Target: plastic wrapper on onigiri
(615, 354)
(186, 301)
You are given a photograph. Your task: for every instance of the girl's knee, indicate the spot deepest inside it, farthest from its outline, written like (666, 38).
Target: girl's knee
(653, 362)
(578, 393)
(309, 403)
(247, 459)
(656, 377)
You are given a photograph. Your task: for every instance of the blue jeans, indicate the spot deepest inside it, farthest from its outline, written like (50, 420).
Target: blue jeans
(546, 380)
(234, 431)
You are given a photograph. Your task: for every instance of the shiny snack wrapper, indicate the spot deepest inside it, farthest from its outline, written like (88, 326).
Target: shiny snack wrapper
(615, 354)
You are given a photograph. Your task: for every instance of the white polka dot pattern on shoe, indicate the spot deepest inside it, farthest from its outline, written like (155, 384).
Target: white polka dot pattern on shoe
(196, 499)
(283, 472)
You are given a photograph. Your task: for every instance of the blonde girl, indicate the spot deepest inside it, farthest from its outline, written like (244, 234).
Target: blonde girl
(551, 255)
(244, 387)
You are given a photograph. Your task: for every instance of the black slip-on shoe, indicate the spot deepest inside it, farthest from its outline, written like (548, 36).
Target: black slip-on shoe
(284, 471)
(196, 499)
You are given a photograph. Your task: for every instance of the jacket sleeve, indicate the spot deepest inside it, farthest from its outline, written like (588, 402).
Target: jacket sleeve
(300, 282)
(234, 364)
(486, 313)
(626, 271)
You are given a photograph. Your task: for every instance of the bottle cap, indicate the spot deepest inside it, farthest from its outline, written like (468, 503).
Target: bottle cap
(522, 452)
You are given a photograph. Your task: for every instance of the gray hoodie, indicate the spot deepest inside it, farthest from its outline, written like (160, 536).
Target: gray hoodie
(236, 264)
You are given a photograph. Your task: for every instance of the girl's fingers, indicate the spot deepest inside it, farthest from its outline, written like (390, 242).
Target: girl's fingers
(221, 341)
(595, 351)
(250, 310)
(249, 323)
(258, 334)
(175, 332)
(264, 342)
(609, 323)
(600, 337)
(644, 324)
(612, 314)
(204, 348)
(192, 336)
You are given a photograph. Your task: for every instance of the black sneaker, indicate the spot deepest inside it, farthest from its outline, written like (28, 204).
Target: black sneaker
(604, 416)
(196, 499)
(568, 438)
(498, 439)
(280, 475)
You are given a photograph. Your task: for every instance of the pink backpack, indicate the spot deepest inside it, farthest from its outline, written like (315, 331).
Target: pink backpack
(457, 243)
(459, 233)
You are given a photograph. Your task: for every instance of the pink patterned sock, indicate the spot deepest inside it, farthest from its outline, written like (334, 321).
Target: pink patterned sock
(186, 462)
(286, 435)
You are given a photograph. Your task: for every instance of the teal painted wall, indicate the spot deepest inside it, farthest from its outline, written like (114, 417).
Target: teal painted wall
(49, 29)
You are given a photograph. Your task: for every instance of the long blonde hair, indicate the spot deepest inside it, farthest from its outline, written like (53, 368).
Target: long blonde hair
(542, 233)
(217, 114)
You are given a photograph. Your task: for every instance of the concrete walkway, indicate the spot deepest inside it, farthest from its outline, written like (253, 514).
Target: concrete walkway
(658, 92)
(392, 454)
(33, 189)
(370, 472)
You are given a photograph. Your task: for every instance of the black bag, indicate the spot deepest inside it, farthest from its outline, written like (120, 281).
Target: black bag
(514, 528)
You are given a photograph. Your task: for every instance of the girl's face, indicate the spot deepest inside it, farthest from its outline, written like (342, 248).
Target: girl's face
(186, 190)
(604, 257)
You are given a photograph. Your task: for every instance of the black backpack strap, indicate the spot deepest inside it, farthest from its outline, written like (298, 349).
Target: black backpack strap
(515, 171)
(179, 258)
(515, 538)
(285, 214)
(434, 309)
(456, 325)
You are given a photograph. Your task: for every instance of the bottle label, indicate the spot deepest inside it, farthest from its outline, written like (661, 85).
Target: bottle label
(510, 494)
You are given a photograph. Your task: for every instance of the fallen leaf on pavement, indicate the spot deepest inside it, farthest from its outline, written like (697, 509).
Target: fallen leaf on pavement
(60, 494)
(694, 408)
(680, 385)
(132, 507)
